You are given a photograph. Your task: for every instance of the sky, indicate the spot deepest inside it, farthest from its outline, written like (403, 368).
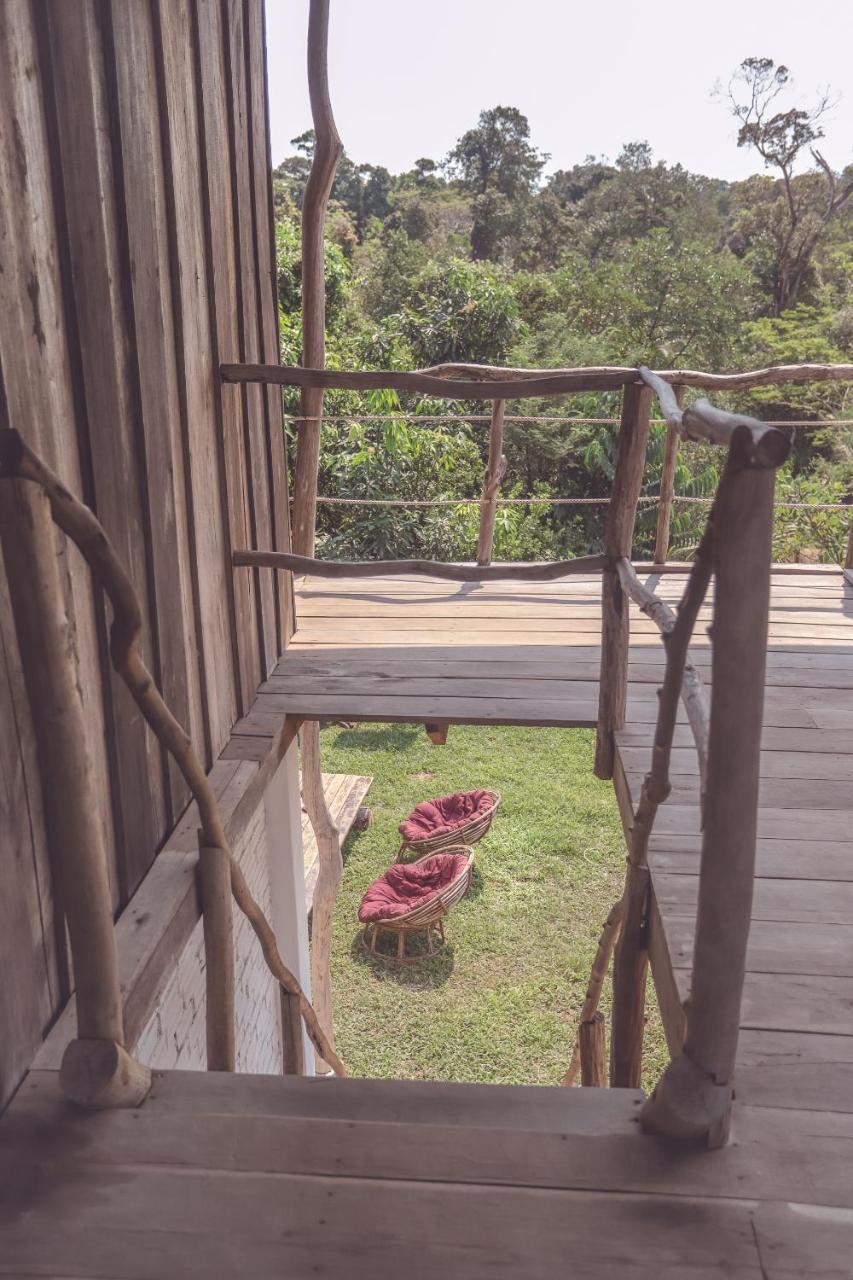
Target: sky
(408, 78)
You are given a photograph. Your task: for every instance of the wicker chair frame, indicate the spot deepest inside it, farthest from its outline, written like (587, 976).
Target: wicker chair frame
(466, 834)
(427, 917)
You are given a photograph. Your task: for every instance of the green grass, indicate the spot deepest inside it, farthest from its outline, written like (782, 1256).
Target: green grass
(500, 1003)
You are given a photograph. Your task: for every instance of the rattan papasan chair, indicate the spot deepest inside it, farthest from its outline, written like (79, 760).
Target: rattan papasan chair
(415, 897)
(463, 818)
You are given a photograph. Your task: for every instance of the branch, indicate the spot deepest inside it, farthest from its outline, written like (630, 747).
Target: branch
(80, 524)
(693, 693)
(537, 571)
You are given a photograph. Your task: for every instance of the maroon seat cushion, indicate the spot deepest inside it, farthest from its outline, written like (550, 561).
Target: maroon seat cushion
(407, 885)
(448, 813)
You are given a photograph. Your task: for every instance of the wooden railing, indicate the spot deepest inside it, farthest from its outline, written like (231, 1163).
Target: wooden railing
(694, 1095)
(97, 1070)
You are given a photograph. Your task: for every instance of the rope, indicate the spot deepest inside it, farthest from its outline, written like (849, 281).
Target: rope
(683, 500)
(425, 418)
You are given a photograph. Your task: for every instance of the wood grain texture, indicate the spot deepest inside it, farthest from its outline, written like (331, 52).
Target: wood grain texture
(479, 382)
(217, 168)
(79, 78)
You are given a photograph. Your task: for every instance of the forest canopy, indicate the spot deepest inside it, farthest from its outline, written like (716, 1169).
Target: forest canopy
(486, 256)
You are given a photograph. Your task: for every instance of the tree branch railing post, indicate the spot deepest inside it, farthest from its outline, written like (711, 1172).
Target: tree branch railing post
(97, 989)
(618, 537)
(97, 1070)
(848, 559)
(495, 471)
(327, 153)
(667, 487)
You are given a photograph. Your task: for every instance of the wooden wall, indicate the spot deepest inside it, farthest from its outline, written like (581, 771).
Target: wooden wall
(137, 253)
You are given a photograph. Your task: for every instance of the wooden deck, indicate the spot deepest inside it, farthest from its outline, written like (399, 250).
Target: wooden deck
(217, 1176)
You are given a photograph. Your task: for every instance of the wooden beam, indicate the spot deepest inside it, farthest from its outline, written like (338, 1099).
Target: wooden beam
(481, 382)
(539, 571)
(618, 537)
(327, 153)
(494, 474)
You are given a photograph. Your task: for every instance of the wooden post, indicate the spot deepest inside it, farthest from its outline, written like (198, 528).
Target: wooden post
(667, 487)
(630, 970)
(600, 965)
(214, 867)
(327, 153)
(618, 537)
(96, 1070)
(494, 474)
(694, 1095)
(288, 908)
(848, 559)
(593, 1060)
(330, 870)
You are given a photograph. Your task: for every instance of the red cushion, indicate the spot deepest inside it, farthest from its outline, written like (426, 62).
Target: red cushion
(438, 817)
(407, 885)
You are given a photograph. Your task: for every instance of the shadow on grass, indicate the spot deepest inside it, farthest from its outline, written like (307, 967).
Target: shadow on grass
(424, 973)
(379, 737)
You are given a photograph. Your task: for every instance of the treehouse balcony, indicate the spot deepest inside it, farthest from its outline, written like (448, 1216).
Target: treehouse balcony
(172, 1102)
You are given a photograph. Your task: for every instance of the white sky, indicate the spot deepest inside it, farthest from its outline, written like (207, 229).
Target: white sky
(409, 76)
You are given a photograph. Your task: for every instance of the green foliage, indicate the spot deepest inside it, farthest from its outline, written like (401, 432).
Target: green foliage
(481, 260)
(460, 311)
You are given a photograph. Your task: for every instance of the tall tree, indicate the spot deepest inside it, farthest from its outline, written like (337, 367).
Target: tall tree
(497, 163)
(809, 202)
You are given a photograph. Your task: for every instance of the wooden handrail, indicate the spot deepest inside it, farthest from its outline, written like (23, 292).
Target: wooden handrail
(768, 446)
(538, 571)
(481, 382)
(81, 525)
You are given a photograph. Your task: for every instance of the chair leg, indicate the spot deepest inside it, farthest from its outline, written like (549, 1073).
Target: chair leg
(401, 944)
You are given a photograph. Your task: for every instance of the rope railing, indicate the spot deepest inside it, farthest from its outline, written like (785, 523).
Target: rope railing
(430, 419)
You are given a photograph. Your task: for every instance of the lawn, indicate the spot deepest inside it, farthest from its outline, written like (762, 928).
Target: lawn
(500, 1004)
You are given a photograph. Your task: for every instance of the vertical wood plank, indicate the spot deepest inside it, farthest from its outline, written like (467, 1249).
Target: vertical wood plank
(30, 922)
(197, 369)
(268, 298)
(84, 138)
(217, 162)
(250, 348)
(142, 210)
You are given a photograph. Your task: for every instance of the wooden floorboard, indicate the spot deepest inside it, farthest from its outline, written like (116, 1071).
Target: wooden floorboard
(219, 1175)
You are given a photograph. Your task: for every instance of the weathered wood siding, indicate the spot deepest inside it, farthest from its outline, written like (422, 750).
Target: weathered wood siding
(136, 247)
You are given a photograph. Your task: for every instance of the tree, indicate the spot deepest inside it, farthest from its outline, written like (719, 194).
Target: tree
(460, 311)
(499, 166)
(808, 203)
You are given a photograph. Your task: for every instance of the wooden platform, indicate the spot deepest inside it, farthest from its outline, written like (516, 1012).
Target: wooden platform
(218, 1176)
